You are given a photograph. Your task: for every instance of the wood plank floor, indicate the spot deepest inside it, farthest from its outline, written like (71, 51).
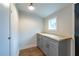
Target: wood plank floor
(34, 51)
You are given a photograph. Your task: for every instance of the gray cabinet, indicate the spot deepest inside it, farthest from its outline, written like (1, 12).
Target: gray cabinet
(64, 48)
(39, 41)
(45, 45)
(52, 47)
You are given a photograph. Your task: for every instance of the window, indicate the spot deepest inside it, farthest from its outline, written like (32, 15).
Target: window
(52, 24)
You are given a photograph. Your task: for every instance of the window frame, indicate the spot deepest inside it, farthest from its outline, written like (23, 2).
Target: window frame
(52, 29)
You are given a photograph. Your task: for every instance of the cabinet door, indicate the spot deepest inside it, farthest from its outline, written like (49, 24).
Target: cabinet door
(53, 49)
(45, 45)
(39, 41)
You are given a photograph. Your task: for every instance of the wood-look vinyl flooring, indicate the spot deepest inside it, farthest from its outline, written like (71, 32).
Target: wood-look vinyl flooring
(34, 51)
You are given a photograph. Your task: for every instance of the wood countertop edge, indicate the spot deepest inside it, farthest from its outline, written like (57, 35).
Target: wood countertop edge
(65, 38)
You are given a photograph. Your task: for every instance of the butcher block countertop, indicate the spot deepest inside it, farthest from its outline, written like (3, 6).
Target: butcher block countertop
(56, 37)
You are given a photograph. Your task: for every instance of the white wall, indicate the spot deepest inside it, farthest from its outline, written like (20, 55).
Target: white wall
(4, 30)
(30, 24)
(65, 23)
(14, 31)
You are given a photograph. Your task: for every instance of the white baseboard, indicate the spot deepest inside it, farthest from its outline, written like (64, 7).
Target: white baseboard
(30, 46)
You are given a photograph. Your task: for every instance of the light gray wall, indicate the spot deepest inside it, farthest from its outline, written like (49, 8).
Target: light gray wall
(65, 23)
(4, 30)
(30, 24)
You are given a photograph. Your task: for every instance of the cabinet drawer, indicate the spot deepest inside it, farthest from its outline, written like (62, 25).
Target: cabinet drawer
(53, 49)
(51, 40)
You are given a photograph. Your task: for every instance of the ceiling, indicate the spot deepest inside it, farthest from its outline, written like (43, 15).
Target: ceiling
(42, 9)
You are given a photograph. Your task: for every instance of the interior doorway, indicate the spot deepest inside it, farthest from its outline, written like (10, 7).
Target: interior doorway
(77, 29)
